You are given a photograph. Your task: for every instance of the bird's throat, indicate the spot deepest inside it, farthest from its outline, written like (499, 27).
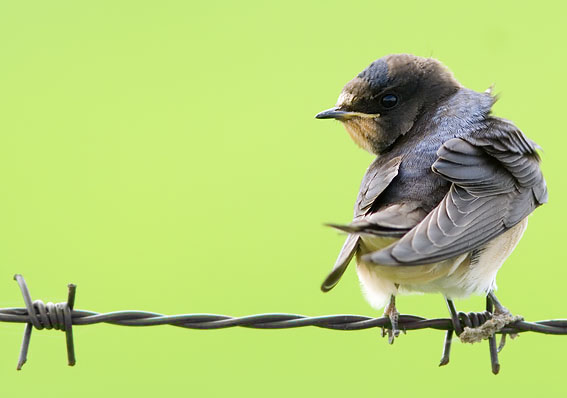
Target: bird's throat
(363, 132)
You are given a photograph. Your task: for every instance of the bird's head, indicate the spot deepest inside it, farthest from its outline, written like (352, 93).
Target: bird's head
(383, 102)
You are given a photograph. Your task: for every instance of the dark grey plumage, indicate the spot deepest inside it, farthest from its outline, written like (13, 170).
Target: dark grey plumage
(449, 176)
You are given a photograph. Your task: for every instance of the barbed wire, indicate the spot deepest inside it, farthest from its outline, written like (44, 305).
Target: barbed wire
(62, 316)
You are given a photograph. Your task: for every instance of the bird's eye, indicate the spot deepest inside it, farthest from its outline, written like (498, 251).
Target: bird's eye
(389, 101)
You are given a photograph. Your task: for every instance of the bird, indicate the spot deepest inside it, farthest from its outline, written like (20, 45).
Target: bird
(447, 198)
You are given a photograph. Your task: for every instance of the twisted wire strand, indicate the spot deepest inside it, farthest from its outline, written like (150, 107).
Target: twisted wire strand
(61, 316)
(281, 321)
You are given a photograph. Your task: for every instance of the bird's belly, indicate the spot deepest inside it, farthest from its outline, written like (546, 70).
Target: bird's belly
(456, 277)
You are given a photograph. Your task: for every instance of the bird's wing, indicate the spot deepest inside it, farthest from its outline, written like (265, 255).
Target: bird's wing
(375, 181)
(377, 178)
(496, 182)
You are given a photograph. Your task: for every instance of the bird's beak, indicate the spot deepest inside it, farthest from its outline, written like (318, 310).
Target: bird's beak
(335, 113)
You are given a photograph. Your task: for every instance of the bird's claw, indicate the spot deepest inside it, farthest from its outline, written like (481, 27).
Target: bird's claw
(394, 331)
(392, 313)
(497, 318)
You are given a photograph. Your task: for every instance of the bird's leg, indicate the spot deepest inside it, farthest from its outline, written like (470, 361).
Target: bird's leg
(499, 309)
(391, 312)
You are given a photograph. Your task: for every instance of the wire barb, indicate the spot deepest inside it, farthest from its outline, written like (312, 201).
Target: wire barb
(47, 316)
(63, 316)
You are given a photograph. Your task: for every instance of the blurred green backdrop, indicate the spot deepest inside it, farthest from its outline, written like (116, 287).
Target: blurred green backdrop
(164, 157)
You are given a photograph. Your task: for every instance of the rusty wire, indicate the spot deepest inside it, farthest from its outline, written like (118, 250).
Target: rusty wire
(62, 316)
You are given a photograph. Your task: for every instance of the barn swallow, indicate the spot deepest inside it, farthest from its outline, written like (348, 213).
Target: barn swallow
(446, 200)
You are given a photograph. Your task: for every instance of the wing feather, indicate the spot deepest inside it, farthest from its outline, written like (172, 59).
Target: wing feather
(376, 180)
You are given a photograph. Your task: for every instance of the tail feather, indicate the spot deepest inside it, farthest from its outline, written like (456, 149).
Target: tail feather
(363, 227)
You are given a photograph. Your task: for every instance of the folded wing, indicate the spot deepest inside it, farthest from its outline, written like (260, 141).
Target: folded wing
(496, 182)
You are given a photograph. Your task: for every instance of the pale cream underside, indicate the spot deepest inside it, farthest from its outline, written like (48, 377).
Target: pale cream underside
(454, 278)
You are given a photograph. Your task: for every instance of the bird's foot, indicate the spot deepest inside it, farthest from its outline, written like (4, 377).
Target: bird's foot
(480, 326)
(392, 313)
(500, 317)
(499, 309)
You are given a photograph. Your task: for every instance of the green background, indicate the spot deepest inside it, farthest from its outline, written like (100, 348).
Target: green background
(164, 156)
